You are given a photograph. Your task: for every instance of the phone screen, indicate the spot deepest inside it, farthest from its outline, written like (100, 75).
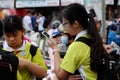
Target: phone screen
(45, 34)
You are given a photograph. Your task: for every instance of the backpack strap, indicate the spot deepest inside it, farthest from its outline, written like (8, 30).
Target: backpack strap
(84, 40)
(33, 50)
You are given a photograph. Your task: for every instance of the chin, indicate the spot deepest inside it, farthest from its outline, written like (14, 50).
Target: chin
(12, 45)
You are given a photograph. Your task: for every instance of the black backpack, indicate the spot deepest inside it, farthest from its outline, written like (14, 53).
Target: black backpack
(115, 55)
(8, 65)
(107, 69)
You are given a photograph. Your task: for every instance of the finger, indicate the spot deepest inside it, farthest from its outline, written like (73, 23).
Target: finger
(75, 79)
(75, 76)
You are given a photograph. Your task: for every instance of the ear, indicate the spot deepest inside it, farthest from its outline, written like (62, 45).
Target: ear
(23, 31)
(76, 24)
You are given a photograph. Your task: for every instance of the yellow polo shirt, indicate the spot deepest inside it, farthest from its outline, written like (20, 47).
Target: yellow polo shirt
(78, 57)
(24, 52)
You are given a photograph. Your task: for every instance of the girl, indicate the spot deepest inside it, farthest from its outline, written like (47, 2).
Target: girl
(79, 56)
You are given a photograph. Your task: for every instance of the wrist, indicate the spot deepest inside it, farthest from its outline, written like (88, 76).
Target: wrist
(56, 50)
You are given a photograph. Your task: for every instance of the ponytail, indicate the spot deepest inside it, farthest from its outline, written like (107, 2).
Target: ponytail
(97, 49)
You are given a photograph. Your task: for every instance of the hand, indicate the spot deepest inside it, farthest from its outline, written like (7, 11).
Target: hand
(51, 42)
(108, 48)
(74, 77)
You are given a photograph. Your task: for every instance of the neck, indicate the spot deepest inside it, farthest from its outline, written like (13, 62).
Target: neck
(78, 30)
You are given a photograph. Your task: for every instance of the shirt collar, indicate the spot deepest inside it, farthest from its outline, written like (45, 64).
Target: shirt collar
(80, 34)
(8, 48)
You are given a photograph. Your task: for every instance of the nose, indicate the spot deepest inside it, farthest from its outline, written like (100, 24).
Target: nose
(11, 38)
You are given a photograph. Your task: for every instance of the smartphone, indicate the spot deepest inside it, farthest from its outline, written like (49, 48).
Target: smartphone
(44, 33)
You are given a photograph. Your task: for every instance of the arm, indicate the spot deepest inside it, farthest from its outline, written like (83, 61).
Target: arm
(30, 25)
(107, 47)
(74, 77)
(30, 22)
(32, 67)
(61, 74)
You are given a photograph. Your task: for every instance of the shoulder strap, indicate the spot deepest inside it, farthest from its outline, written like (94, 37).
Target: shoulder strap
(84, 40)
(87, 42)
(33, 50)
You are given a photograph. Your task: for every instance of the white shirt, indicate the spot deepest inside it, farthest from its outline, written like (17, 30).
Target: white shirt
(40, 22)
(80, 34)
(8, 48)
(26, 22)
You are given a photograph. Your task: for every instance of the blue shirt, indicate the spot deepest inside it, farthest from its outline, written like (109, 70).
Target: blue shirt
(112, 36)
(33, 19)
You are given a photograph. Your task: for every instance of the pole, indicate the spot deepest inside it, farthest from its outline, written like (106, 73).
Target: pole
(14, 3)
(60, 5)
(103, 27)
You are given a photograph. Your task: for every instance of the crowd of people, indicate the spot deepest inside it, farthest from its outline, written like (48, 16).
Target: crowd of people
(67, 55)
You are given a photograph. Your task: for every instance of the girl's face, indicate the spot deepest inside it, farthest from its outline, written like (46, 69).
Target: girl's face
(14, 40)
(74, 28)
(68, 27)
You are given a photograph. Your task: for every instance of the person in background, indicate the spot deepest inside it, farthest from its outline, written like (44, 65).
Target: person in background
(28, 66)
(92, 13)
(27, 22)
(54, 25)
(107, 47)
(98, 23)
(33, 20)
(78, 23)
(112, 35)
(66, 38)
(53, 28)
(40, 21)
(5, 12)
(56, 35)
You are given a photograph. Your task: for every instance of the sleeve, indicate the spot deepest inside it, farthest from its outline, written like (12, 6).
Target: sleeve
(29, 20)
(18, 75)
(115, 39)
(38, 59)
(73, 58)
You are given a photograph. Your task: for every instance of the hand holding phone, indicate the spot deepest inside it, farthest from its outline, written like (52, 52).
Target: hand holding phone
(44, 33)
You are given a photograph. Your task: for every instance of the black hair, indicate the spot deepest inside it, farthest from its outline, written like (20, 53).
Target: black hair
(92, 12)
(34, 12)
(12, 23)
(29, 12)
(77, 12)
(1, 28)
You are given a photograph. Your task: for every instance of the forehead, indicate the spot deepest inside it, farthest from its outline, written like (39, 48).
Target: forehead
(16, 32)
